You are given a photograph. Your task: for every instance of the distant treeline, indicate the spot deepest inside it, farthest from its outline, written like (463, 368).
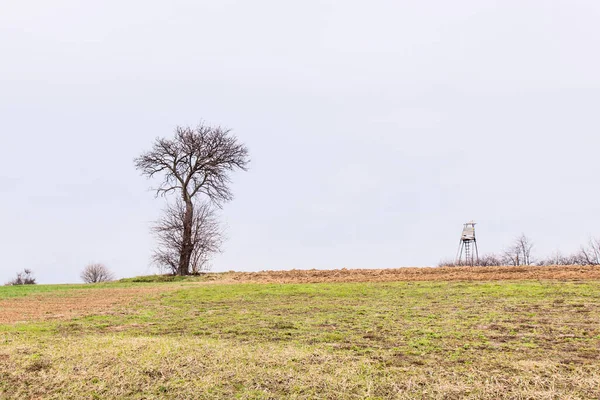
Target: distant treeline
(520, 253)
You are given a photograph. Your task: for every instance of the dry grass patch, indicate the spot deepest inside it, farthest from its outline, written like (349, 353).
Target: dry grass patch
(113, 367)
(413, 274)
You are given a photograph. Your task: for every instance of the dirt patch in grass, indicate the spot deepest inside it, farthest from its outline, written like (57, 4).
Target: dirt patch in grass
(66, 305)
(415, 274)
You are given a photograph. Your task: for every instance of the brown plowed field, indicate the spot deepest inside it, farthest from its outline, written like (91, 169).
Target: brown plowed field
(69, 304)
(416, 274)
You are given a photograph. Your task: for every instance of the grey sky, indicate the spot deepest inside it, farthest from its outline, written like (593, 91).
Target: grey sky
(375, 128)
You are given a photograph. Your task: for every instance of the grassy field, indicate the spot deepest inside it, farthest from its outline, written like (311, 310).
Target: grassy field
(378, 340)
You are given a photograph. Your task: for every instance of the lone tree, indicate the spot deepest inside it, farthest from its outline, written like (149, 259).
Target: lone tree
(196, 162)
(96, 273)
(206, 237)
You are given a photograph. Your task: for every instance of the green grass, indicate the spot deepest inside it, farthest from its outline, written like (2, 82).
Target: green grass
(7, 292)
(166, 278)
(28, 290)
(339, 340)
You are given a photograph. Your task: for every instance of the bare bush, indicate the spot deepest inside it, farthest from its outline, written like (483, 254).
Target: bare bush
(447, 263)
(206, 237)
(23, 278)
(561, 259)
(96, 273)
(487, 260)
(490, 260)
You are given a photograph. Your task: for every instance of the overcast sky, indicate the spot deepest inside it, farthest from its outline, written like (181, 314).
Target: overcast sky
(376, 129)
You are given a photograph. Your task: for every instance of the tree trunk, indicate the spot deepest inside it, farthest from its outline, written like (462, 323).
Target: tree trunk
(187, 247)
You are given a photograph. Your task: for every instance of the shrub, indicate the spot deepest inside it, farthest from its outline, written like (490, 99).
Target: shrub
(486, 260)
(23, 278)
(96, 273)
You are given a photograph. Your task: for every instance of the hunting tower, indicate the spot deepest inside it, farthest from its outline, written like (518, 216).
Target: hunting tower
(468, 254)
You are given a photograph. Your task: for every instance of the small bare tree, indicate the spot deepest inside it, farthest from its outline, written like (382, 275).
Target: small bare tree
(590, 254)
(96, 273)
(511, 256)
(23, 278)
(206, 237)
(525, 245)
(195, 162)
(519, 253)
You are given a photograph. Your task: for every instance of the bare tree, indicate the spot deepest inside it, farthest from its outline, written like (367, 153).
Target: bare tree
(590, 254)
(96, 273)
(511, 256)
(23, 278)
(195, 162)
(519, 253)
(524, 244)
(206, 237)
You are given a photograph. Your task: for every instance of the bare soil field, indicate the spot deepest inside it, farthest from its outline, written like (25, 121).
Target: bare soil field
(70, 304)
(414, 274)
